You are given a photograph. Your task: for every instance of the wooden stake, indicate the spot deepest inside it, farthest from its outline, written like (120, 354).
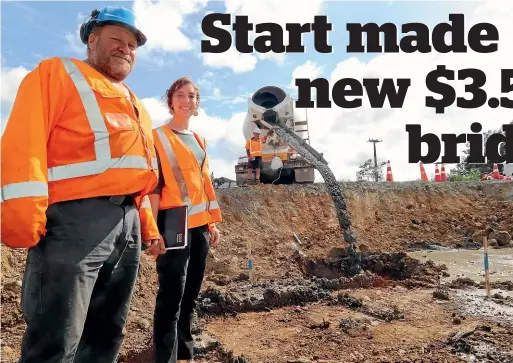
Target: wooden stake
(250, 263)
(487, 276)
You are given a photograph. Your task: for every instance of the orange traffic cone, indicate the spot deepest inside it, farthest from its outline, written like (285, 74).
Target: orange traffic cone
(437, 174)
(443, 177)
(495, 172)
(390, 178)
(423, 175)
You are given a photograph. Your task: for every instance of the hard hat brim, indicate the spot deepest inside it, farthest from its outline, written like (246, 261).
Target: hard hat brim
(117, 16)
(141, 38)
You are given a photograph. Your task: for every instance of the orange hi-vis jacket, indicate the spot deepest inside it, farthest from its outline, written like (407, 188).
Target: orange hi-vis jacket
(72, 134)
(186, 182)
(254, 147)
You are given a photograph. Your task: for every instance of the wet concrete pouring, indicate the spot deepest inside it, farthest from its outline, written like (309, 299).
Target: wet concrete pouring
(332, 186)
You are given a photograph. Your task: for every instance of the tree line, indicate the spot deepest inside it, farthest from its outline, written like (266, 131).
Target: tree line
(464, 171)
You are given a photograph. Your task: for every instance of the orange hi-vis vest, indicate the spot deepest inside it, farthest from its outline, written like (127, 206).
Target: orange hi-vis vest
(71, 134)
(254, 147)
(186, 182)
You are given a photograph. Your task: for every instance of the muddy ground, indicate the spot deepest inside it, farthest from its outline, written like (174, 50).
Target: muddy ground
(315, 301)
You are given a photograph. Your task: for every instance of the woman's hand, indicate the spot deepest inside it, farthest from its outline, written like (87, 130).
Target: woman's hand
(214, 237)
(156, 247)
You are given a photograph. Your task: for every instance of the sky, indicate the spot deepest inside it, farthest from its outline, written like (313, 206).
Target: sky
(35, 30)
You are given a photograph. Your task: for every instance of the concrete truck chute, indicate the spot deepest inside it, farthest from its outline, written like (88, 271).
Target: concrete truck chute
(271, 108)
(281, 164)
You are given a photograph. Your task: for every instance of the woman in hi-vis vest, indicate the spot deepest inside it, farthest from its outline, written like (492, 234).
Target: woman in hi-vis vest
(185, 189)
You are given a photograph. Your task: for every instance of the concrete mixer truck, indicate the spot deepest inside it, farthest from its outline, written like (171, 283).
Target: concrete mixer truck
(287, 154)
(281, 164)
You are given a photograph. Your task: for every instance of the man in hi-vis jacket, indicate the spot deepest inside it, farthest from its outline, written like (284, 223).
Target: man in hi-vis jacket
(78, 161)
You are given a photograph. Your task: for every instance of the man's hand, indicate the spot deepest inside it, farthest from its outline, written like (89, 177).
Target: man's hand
(155, 247)
(214, 237)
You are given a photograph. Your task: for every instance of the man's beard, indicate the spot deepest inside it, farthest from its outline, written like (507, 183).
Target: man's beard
(115, 66)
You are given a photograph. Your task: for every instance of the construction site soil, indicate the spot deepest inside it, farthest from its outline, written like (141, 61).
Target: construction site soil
(313, 299)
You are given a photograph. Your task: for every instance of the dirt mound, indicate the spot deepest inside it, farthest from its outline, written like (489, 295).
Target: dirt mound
(385, 218)
(397, 266)
(260, 297)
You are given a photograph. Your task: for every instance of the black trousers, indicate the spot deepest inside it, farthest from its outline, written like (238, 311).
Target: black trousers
(180, 274)
(79, 280)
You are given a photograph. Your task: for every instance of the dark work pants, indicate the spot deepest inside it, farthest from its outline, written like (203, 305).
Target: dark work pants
(79, 280)
(180, 274)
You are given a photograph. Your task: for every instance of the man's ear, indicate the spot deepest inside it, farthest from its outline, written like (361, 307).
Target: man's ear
(93, 38)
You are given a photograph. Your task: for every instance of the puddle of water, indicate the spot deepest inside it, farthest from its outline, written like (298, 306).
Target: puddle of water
(470, 263)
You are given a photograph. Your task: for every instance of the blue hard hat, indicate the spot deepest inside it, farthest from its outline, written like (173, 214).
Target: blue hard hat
(115, 15)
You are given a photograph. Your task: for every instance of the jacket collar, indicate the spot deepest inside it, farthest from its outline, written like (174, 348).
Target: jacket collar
(103, 85)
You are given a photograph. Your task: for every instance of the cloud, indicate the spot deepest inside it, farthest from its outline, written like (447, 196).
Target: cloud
(215, 129)
(309, 70)
(236, 61)
(157, 110)
(278, 58)
(162, 23)
(240, 99)
(279, 12)
(342, 134)
(10, 81)
(74, 44)
(222, 168)
(275, 11)
(210, 91)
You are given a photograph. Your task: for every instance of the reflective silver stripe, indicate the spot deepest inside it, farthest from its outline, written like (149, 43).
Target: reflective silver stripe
(89, 168)
(251, 149)
(146, 203)
(24, 189)
(177, 172)
(103, 160)
(203, 207)
(92, 110)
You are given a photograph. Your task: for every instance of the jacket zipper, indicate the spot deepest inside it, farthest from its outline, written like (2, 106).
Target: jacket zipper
(145, 140)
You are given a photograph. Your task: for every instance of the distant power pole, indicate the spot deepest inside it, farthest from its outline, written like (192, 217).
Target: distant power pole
(374, 141)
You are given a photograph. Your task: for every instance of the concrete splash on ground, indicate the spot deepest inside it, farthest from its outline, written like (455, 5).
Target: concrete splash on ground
(321, 278)
(346, 262)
